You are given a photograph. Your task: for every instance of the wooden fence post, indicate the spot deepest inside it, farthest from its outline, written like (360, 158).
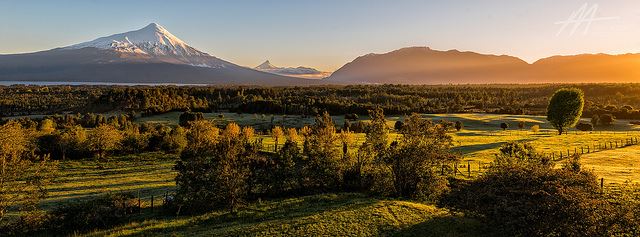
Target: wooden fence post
(601, 185)
(469, 168)
(151, 203)
(455, 169)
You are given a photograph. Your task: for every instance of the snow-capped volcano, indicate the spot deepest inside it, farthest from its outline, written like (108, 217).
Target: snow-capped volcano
(148, 55)
(303, 72)
(152, 40)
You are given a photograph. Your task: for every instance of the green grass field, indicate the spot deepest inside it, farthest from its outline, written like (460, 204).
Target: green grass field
(615, 166)
(151, 174)
(320, 215)
(148, 174)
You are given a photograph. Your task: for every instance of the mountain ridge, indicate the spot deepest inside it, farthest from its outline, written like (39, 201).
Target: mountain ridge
(423, 65)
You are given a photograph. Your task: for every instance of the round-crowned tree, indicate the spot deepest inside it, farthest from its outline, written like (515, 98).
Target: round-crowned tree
(565, 108)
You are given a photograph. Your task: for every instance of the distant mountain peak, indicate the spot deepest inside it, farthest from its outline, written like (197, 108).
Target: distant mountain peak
(266, 66)
(300, 71)
(153, 39)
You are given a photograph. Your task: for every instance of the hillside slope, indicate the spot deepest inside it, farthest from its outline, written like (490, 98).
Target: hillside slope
(319, 215)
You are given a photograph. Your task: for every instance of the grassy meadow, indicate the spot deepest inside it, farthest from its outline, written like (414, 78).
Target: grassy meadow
(480, 138)
(151, 174)
(319, 215)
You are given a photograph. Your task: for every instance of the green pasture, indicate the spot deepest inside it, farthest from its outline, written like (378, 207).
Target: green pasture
(343, 214)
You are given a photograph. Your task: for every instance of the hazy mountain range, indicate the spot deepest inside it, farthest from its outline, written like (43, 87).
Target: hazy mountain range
(422, 65)
(303, 72)
(154, 55)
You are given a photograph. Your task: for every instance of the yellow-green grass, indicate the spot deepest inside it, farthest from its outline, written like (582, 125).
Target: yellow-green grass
(477, 142)
(320, 215)
(483, 145)
(615, 166)
(146, 174)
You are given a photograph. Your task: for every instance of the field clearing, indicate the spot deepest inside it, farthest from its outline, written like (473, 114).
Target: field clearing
(145, 174)
(478, 142)
(151, 174)
(615, 166)
(318, 215)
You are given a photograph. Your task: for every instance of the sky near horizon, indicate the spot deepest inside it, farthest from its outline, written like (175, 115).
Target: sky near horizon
(327, 34)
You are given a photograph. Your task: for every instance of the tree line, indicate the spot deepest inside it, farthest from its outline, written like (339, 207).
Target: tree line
(620, 100)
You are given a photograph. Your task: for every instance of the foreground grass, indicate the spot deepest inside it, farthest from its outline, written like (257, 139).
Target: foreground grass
(615, 166)
(319, 215)
(148, 174)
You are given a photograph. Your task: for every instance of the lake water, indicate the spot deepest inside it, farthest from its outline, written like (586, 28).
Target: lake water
(57, 83)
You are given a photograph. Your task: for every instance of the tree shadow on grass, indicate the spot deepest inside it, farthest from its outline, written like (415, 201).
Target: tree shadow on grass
(456, 225)
(284, 209)
(485, 146)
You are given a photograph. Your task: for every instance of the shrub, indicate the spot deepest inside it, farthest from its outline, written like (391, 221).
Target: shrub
(413, 159)
(398, 125)
(607, 119)
(214, 170)
(523, 195)
(459, 126)
(521, 125)
(535, 128)
(584, 127)
(101, 212)
(28, 224)
(23, 176)
(504, 126)
(103, 139)
(188, 117)
(175, 141)
(323, 169)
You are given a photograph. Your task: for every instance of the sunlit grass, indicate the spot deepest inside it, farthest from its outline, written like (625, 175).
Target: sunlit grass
(319, 215)
(146, 174)
(615, 166)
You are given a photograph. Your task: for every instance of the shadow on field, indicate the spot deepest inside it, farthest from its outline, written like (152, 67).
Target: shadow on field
(287, 211)
(446, 226)
(478, 147)
(486, 146)
(119, 185)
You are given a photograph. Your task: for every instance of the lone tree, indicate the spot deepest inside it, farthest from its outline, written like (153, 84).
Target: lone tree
(504, 126)
(459, 126)
(607, 119)
(565, 108)
(277, 133)
(103, 139)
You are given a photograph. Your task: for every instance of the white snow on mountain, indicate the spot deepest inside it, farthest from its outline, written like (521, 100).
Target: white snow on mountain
(153, 40)
(304, 72)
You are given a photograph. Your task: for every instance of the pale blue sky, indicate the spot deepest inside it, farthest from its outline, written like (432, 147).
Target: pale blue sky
(327, 34)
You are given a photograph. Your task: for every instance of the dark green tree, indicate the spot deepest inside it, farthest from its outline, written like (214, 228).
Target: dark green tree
(565, 108)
